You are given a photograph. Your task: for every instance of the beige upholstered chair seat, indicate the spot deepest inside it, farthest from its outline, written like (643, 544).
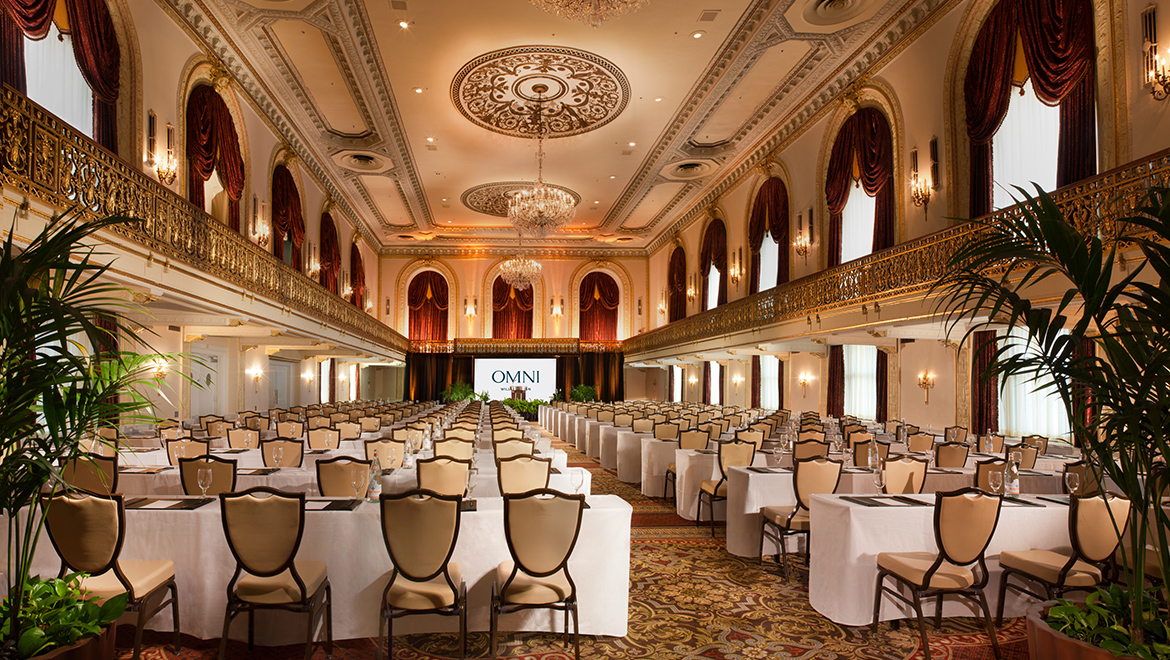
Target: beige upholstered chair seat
(281, 588)
(912, 566)
(719, 488)
(672, 468)
(779, 515)
(529, 590)
(144, 576)
(405, 594)
(1046, 565)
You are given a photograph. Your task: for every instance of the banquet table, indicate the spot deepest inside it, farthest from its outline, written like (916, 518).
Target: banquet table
(694, 467)
(608, 452)
(351, 543)
(593, 437)
(629, 455)
(846, 538)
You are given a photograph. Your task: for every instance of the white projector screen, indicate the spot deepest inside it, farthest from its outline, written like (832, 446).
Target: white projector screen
(497, 377)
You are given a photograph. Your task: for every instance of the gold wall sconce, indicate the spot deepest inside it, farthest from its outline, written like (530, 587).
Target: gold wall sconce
(470, 308)
(926, 382)
(256, 373)
(164, 164)
(804, 380)
(1156, 75)
(803, 239)
(736, 381)
(557, 309)
(735, 268)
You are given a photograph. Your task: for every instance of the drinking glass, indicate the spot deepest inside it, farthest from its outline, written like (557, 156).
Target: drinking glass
(577, 478)
(847, 455)
(328, 440)
(204, 478)
(1072, 481)
(181, 451)
(247, 441)
(278, 455)
(879, 479)
(838, 443)
(357, 477)
(952, 434)
(995, 480)
(472, 480)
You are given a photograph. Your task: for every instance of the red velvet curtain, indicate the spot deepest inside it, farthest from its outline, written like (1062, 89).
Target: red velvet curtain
(670, 383)
(428, 300)
(756, 381)
(707, 383)
(864, 139)
(330, 253)
(357, 275)
(286, 215)
(780, 381)
(1059, 49)
(984, 390)
(212, 145)
(676, 282)
(714, 253)
(769, 215)
(883, 386)
(835, 405)
(599, 298)
(511, 311)
(12, 53)
(332, 379)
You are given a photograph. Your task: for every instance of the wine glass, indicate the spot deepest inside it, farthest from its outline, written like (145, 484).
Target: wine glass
(577, 478)
(879, 479)
(181, 451)
(472, 480)
(1072, 481)
(247, 441)
(278, 455)
(995, 480)
(204, 479)
(328, 441)
(952, 434)
(356, 479)
(847, 455)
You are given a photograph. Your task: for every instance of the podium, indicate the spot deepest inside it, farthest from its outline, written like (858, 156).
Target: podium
(518, 393)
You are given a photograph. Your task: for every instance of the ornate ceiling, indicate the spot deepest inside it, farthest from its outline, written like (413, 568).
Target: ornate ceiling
(417, 115)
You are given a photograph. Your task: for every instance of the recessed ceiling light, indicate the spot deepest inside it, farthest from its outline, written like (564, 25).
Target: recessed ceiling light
(403, 24)
(697, 34)
(597, 202)
(444, 199)
(633, 144)
(430, 139)
(448, 222)
(418, 90)
(613, 177)
(658, 100)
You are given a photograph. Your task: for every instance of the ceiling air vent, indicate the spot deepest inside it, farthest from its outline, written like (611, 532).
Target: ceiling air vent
(398, 5)
(432, 147)
(627, 152)
(709, 15)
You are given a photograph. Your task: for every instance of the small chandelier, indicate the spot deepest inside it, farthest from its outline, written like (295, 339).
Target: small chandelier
(520, 271)
(540, 210)
(590, 12)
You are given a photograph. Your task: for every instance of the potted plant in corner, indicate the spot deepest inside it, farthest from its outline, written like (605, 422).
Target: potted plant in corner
(1116, 395)
(63, 374)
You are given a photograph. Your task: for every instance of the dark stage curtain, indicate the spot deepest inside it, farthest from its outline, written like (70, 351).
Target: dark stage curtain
(428, 374)
(599, 298)
(330, 253)
(835, 405)
(357, 275)
(714, 253)
(1059, 50)
(769, 215)
(286, 215)
(864, 141)
(984, 390)
(756, 381)
(676, 282)
(883, 386)
(428, 300)
(603, 371)
(212, 145)
(511, 311)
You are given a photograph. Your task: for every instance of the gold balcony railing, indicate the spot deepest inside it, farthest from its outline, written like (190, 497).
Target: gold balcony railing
(552, 347)
(1094, 204)
(48, 160)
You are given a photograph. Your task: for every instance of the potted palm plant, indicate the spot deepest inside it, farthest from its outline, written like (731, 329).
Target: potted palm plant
(1100, 340)
(64, 373)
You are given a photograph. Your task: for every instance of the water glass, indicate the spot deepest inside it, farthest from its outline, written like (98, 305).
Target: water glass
(472, 480)
(204, 478)
(1072, 481)
(995, 480)
(357, 477)
(577, 478)
(278, 455)
(181, 451)
(879, 479)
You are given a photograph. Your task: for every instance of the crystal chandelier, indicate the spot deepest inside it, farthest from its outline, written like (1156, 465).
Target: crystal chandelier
(590, 12)
(520, 271)
(540, 210)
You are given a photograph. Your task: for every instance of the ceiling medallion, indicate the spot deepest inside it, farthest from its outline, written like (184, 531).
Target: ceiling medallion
(590, 12)
(492, 198)
(583, 91)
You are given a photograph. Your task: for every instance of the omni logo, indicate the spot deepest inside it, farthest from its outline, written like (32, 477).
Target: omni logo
(500, 376)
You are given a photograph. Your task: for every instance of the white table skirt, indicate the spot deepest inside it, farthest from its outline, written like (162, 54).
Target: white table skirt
(629, 455)
(593, 437)
(579, 433)
(847, 538)
(657, 455)
(693, 468)
(608, 450)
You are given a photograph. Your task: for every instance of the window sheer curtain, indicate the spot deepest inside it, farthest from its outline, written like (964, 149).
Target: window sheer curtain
(1027, 405)
(857, 224)
(676, 383)
(1022, 151)
(712, 288)
(860, 381)
(769, 262)
(715, 382)
(770, 382)
(55, 81)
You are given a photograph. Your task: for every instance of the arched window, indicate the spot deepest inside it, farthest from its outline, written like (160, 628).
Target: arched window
(43, 51)
(676, 283)
(511, 311)
(357, 277)
(713, 265)
(428, 300)
(599, 298)
(1049, 46)
(288, 225)
(768, 236)
(213, 147)
(330, 253)
(861, 215)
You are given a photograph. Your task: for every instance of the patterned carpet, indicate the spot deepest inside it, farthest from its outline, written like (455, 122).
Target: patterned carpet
(689, 599)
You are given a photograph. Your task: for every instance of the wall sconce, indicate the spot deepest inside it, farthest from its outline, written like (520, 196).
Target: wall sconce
(736, 380)
(1156, 74)
(802, 240)
(346, 286)
(256, 373)
(926, 382)
(735, 270)
(160, 368)
(369, 304)
(308, 376)
(470, 308)
(557, 310)
(691, 287)
(314, 260)
(919, 185)
(165, 166)
(662, 303)
(693, 381)
(261, 232)
(804, 380)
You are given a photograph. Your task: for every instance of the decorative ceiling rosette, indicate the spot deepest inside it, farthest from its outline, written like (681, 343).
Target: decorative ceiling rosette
(492, 198)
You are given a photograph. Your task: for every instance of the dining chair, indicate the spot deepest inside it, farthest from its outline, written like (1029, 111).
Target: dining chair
(442, 475)
(809, 449)
(335, 477)
(1040, 442)
(541, 528)
(521, 474)
(964, 521)
(324, 438)
(643, 425)
(857, 437)
(293, 456)
(243, 438)
(222, 471)
(204, 420)
(455, 448)
(1027, 454)
(996, 443)
(290, 429)
(1088, 483)
(754, 437)
(92, 473)
(666, 431)
(951, 455)
(688, 440)
(985, 468)
(457, 433)
(218, 428)
(731, 454)
(88, 531)
(349, 430)
(905, 475)
(264, 528)
(605, 416)
(508, 433)
(390, 452)
(170, 433)
(177, 449)
(804, 435)
(959, 433)
(318, 421)
(920, 443)
(810, 476)
(336, 417)
(861, 452)
(513, 447)
(1095, 527)
(256, 423)
(420, 529)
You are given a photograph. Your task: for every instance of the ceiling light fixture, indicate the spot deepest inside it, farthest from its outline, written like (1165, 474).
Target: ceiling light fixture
(403, 24)
(418, 90)
(697, 34)
(540, 210)
(520, 271)
(590, 12)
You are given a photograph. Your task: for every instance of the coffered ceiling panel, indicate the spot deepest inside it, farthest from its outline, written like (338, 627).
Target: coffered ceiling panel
(652, 204)
(384, 193)
(756, 86)
(310, 55)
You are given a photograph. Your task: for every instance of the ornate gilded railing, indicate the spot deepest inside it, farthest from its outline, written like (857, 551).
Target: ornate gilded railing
(515, 346)
(1093, 204)
(48, 160)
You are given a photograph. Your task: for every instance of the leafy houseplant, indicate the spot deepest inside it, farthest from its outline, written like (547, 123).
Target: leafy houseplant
(583, 393)
(1105, 619)
(458, 392)
(484, 396)
(63, 375)
(1116, 394)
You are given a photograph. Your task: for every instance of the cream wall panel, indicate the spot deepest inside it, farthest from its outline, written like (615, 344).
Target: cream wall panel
(937, 358)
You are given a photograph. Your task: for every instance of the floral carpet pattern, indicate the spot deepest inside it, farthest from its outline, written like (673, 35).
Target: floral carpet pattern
(689, 599)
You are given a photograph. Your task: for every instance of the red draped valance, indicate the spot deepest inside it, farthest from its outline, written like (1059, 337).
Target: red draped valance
(769, 216)
(599, 300)
(330, 253)
(286, 215)
(713, 252)
(864, 140)
(511, 311)
(213, 145)
(428, 300)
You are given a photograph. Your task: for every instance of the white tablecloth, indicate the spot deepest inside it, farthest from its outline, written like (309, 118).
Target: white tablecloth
(694, 468)
(579, 432)
(593, 437)
(351, 543)
(608, 449)
(846, 539)
(629, 455)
